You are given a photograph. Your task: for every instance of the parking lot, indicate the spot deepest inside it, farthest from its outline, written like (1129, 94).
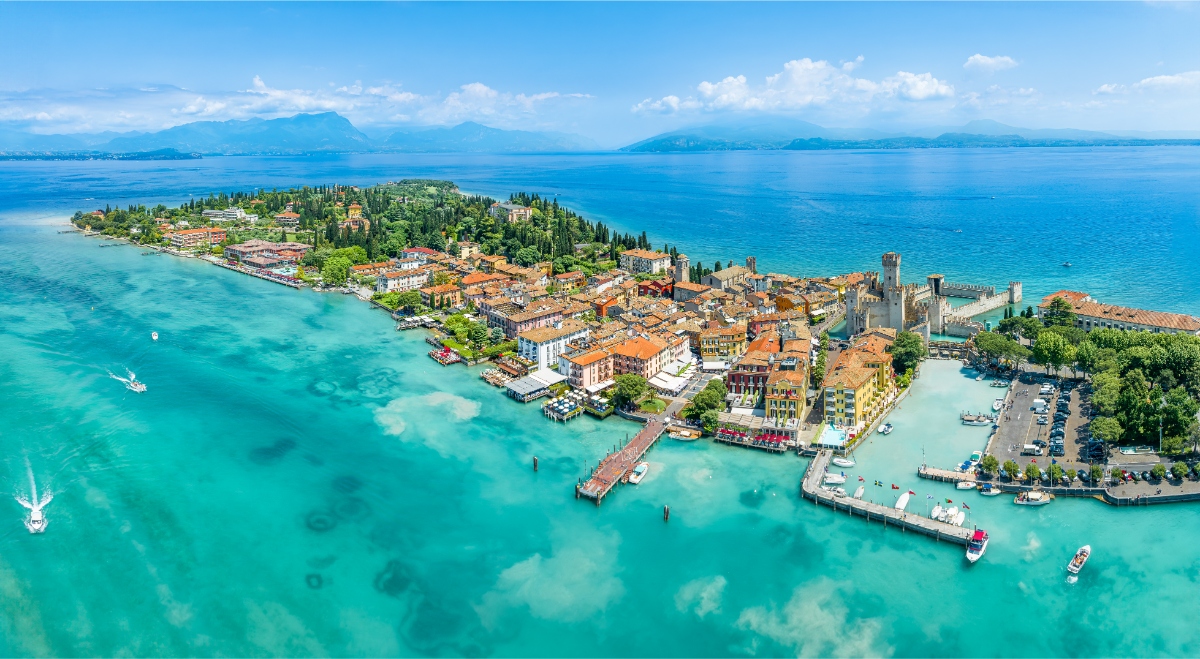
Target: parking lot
(1019, 426)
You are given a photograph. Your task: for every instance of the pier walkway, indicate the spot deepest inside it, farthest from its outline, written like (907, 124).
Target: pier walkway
(810, 488)
(614, 467)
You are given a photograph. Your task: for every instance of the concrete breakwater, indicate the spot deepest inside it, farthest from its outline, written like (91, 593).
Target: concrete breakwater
(1101, 493)
(810, 488)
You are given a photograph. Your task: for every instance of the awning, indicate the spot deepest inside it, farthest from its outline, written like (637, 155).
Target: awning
(547, 376)
(600, 386)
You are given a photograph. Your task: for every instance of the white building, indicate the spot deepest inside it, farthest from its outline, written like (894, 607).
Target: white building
(643, 260)
(544, 344)
(401, 280)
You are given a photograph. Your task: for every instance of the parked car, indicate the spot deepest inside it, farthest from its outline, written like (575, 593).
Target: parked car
(1042, 420)
(1039, 442)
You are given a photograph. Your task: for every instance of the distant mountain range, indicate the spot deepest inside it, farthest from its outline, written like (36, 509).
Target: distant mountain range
(302, 133)
(789, 134)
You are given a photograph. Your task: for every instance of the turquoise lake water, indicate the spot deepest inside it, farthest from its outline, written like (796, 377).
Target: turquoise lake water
(300, 479)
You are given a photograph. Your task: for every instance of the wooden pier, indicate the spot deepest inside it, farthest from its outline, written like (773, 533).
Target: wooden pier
(810, 488)
(616, 465)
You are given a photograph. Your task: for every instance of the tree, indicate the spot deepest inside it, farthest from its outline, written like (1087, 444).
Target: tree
(1052, 350)
(1179, 470)
(1096, 472)
(629, 388)
(989, 464)
(1032, 472)
(408, 300)
(336, 270)
(1116, 474)
(1071, 473)
(710, 398)
(1056, 473)
(496, 334)
(478, 333)
(1158, 471)
(526, 256)
(1059, 313)
(441, 278)
(709, 420)
(1012, 469)
(1106, 429)
(907, 351)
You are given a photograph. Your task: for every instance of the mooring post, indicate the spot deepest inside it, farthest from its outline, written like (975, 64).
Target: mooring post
(535, 463)
(666, 513)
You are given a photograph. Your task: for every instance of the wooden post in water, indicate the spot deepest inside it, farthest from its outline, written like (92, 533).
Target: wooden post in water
(666, 513)
(535, 463)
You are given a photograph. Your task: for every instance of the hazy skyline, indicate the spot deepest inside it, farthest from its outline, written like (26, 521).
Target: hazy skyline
(613, 72)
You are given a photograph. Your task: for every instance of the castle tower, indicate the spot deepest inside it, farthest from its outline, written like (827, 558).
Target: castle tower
(752, 264)
(893, 291)
(936, 282)
(1014, 292)
(682, 268)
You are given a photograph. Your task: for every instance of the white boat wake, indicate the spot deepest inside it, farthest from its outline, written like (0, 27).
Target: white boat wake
(131, 382)
(36, 521)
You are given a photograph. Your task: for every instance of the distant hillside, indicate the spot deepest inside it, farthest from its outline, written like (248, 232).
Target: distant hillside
(801, 135)
(302, 133)
(473, 137)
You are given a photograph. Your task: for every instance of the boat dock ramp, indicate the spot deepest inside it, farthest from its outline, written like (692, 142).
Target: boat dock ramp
(616, 465)
(810, 488)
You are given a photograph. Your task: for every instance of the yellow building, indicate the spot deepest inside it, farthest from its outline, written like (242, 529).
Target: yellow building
(723, 343)
(857, 386)
(785, 392)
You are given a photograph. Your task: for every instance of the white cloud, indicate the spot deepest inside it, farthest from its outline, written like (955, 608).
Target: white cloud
(1110, 88)
(1187, 81)
(979, 62)
(801, 84)
(154, 107)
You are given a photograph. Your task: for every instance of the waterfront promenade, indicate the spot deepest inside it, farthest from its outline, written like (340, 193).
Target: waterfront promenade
(810, 488)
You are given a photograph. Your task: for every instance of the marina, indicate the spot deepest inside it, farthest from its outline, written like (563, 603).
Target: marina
(811, 488)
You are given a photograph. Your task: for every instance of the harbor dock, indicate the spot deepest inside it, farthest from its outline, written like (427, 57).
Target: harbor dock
(810, 488)
(615, 466)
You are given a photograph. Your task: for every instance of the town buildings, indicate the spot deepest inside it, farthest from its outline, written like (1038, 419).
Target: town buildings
(639, 261)
(543, 345)
(193, 238)
(402, 280)
(1090, 315)
(858, 383)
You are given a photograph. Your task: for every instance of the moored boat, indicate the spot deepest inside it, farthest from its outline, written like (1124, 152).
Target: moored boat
(1034, 498)
(965, 485)
(1081, 557)
(977, 545)
(834, 479)
(988, 490)
(938, 512)
(638, 472)
(997, 404)
(858, 494)
(958, 518)
(885, 429)
(903, 500)
(843, 462)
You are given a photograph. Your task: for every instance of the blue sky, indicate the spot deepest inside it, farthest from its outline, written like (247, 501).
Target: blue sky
(616, 72)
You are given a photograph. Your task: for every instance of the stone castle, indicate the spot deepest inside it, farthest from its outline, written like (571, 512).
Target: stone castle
(924, 309)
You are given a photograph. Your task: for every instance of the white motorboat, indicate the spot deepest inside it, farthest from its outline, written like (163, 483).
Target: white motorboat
(1080, 559)
(977, 545)
(938, 511)
(988, 490)
(858, 494)
(903, 501)
(36, 522)
(638, 472)
(885, 429)
(843, 462)
(949, 515)
(1034, 498)
(958, 519)
(965, 485)
(131, 382)
(998, 404)
(154, 335)
(834, 479)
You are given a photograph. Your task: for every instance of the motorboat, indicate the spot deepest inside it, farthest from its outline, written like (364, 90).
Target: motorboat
(903, 501)
(834, 479)
(885, 429)
(858, 494)
(154, 335)
(36, 522)
(976, 420)
(834, 490)
(938, 512)
(685, 435)
(639, 472)
(949, 515)
(1080, 559)
(131, 382)
(958, 518)
(1034, 498)
(976, 456)
(988, 491)
(966, 485)
(977, 545)
(998, 404)
(843, 462)
(1066, 264)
